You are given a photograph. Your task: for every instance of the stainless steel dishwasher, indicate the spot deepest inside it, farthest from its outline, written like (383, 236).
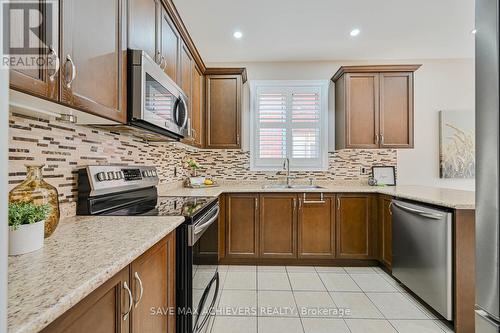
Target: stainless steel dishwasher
(422, 253)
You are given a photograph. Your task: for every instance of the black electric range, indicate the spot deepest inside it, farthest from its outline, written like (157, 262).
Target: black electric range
(132, 191)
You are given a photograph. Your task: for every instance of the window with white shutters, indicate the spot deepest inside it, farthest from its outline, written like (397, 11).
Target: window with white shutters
(289, 120)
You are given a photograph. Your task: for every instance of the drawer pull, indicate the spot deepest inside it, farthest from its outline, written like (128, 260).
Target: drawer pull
(320, 201)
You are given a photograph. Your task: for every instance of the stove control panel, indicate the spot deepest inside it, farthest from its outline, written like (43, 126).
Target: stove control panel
(107, 179)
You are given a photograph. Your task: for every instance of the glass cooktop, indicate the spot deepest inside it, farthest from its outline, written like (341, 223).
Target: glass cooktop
(166, 206)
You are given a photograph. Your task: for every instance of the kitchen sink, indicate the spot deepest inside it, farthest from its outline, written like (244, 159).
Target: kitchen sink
(299, 187)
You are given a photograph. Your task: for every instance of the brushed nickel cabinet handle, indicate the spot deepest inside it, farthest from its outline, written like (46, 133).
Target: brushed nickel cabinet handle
(130, 300)
(320, 201)
(256, 204)
(382, 139)
(73, 71)
(338, 203)
(56, 69)
(390, 208)
(376, 139)
(138, 279)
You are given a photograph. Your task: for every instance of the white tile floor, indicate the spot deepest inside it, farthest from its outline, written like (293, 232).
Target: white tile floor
(278, 299)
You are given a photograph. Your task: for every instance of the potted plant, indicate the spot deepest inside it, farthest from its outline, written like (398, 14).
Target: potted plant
(26, 226)
(192, 165)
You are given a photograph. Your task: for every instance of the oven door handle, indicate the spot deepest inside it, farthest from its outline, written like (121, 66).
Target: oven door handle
(199, 229)
(198, 328)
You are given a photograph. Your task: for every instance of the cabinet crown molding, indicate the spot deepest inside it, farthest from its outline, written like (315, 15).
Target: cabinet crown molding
(374, 69)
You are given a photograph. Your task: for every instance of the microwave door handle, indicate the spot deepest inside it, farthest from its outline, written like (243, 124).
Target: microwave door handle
(176, 110)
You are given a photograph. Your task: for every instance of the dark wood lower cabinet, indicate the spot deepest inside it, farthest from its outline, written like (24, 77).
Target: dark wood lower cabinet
(153, 286)
(125, 302)
(242, 226)
(100, 312)
(278, 226)
(385, 230)
(316, 226)
(354, 226)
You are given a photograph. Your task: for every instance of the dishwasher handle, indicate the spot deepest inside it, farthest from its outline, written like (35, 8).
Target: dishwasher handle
(434, 216)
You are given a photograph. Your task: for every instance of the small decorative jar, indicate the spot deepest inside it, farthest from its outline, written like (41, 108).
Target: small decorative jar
(34, 189)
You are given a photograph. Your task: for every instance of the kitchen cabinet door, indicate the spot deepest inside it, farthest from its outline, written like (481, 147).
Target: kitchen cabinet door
(362, 110)
(103, 311)
(170, 41)
(43, 81)
(197, 107)
(143, 27)
(242, 226)
(396, 110)
(316, 226)
(385, 230)
(223, 111)
(185, 70)
(278, 226)
(354, 229)
(153, 286)
(93, 52)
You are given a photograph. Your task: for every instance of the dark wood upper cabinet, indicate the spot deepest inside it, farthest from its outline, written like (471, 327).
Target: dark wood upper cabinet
(374, 106)
(242, 226)
(354, 227)
(43, 82)
(143, 25)
(185, 70)
(197, 107)
(278, 226)
(223, 111)
(102, 311)
(396, 110)
(93, 57)
(316, 226)
(170, 41)
(385, 230)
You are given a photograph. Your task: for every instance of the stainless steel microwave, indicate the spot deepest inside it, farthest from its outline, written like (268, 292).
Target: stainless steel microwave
(155, 102)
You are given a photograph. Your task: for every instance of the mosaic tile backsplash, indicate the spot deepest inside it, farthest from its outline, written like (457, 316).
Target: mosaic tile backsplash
(63, 148)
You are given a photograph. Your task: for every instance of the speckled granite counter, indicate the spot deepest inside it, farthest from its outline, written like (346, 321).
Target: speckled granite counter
(83, 253)
(456, 199)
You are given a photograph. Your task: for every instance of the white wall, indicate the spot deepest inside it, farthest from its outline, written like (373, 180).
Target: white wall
(4, 121)
(439, 85)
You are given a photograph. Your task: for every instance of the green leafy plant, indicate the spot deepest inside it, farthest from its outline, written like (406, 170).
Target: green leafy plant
(27, 213)
(192, 164)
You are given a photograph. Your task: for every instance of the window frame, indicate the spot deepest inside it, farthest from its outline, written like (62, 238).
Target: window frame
(323, 86)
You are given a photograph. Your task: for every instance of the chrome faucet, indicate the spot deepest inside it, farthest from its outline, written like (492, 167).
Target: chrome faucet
(286, 166)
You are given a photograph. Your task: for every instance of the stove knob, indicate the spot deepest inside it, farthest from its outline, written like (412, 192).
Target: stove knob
(145, 173)
(118, 175)
(153, 173)
(101, 176)
(111, 175)
(150, 173)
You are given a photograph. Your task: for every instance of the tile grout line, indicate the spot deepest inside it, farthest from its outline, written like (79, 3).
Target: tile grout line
(295, 300)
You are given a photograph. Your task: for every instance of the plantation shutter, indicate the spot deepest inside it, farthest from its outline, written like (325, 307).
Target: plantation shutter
(288, 121)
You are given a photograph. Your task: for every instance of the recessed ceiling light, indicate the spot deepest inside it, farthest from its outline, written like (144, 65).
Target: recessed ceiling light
(237, 34)
(355, 32)
(473, 31)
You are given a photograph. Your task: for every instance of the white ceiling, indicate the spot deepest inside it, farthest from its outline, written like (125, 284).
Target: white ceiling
(292, 30)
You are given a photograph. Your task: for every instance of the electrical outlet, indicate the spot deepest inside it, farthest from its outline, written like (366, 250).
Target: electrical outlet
(364, 170)
(175, 171)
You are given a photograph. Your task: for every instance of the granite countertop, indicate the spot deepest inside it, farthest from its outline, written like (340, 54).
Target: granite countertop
(83, 253)
(450, 198)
